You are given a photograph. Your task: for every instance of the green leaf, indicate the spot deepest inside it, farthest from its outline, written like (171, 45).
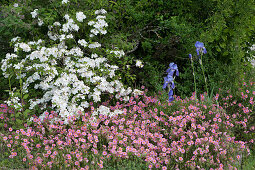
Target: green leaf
(19, 122)
(25, 96)
(17, 114)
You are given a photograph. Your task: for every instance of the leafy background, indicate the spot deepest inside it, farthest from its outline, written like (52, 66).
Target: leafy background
(157, 32)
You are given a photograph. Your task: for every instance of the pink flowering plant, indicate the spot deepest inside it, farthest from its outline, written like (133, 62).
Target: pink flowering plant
(181, 134)
(241, 105)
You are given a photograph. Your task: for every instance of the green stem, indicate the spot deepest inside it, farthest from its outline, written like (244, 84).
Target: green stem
(10, 86)
(21, 96)
(194, 75)
(201, 62)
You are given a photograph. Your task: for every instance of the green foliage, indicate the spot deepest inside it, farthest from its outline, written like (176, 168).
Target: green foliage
(249, 163)
(157, 36)
(133, 163)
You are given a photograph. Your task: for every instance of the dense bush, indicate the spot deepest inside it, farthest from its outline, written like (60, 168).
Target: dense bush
(157, 36)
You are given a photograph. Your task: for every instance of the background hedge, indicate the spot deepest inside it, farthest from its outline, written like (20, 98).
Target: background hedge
(157, 32)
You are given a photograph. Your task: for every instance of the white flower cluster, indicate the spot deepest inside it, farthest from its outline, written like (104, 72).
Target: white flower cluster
(23, 46)
(15, 101)
(139, 63)
(83, 43)
(103, 110)
(65, 1)
(118, 53)
(34, 15)
(100, 23)
(137, 92)
(253, 60)
(80, 16)
(94, 45)
(70, 25)
(15, 39)
(68, 79)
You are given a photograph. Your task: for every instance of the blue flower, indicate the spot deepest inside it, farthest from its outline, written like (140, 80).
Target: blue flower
(171, 98)
(169, 80)
(173, 68)
(190, 56)
(170, 95)
(200, 47)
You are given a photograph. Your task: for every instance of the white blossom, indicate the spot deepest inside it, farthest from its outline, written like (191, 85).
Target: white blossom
(15, 39)
(24, 47)
(40, 22)
(137, 92)
(34, 13)
(65, 1)
(67, 17)
(139, 63)
(101, 11)
(56, 24)
(83, 42)
(94, 45)
(80, 16)
(118, 53)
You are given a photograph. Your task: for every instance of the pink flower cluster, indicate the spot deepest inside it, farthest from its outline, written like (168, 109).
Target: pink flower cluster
(181, 134)
(242, 111)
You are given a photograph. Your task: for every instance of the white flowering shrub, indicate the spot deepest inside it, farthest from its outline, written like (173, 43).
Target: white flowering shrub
(58, 67)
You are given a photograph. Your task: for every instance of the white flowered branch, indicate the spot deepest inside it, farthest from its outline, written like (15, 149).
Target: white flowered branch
(68, 78)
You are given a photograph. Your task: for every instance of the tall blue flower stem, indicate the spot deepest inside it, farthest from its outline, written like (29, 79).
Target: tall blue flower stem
(169, 79)
(194, 75)
(201, 62)
(200, 48)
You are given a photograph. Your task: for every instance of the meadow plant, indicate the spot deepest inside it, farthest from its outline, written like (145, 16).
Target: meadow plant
(200, 49)
(181, 134)
(70, 70)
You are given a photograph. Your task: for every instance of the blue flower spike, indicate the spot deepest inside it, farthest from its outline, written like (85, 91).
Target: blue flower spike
(169, 79)
(200, 48)
(190, 56)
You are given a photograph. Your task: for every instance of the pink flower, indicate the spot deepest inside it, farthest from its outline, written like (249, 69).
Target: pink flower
(95, 151)
(31, 156)
(78, 155)
(180, 158)
(164, 168)
(68, 156)
(100, 165)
